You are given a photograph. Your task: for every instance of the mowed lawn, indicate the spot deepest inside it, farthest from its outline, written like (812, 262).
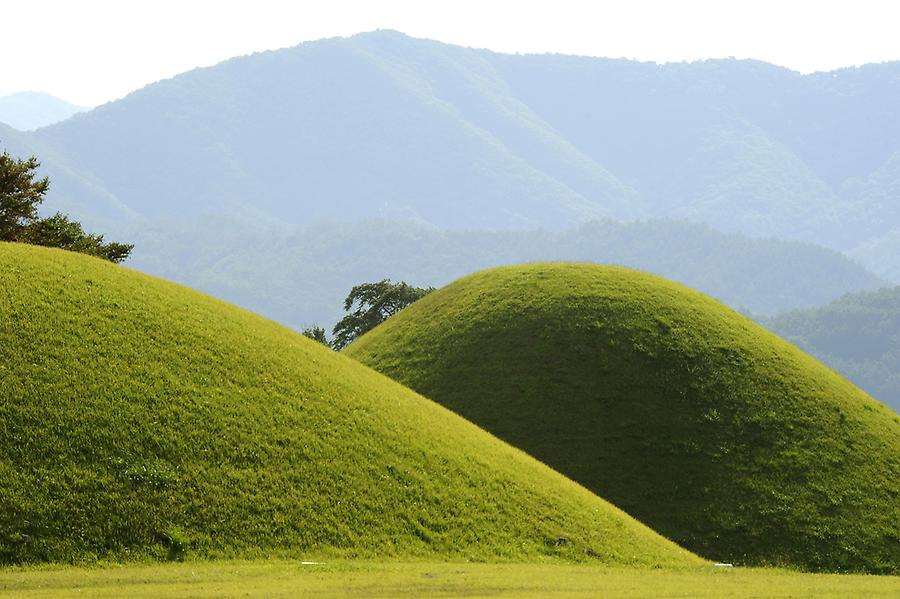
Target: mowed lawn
(393, 579)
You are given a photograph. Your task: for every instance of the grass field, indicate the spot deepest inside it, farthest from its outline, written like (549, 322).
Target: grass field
(275, 579)
(679, 410)
(139, 418)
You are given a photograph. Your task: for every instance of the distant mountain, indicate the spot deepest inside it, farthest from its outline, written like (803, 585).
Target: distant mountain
(741, 145)
(383, 125)
(878, 196)
(372, 126)
(31, 110)
(857, 335)
(300, 275)
(882, 255)
(72, 189)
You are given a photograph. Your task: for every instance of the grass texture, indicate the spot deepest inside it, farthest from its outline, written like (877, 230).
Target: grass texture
(275, 579)
(688, 416)
(141, 420)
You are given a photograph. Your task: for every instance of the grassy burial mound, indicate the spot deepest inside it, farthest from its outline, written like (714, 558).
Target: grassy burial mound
(139, 418)
(688, 416)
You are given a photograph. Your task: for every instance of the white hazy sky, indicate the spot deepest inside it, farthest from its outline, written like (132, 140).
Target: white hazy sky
(92, 51)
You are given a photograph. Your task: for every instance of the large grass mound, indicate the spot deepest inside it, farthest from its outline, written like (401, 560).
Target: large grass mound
(139, 418)
(688, 416)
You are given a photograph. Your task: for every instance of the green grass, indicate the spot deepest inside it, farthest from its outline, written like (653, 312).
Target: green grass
(688, 416)
(275, 579)
(141, 420)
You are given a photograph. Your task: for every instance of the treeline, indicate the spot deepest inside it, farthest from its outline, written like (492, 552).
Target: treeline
(300, 276)
(21, 194)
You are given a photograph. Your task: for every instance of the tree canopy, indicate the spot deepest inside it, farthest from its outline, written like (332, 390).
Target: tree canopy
(374, 302)
(316, 333)
(20, 195)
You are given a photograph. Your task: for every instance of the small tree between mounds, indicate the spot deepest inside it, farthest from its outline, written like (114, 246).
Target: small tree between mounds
(316, 333)
(375, 303)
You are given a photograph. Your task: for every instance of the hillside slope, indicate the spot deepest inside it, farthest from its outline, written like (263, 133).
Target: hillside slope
(140, 418)
(859, 335)
(683, 413)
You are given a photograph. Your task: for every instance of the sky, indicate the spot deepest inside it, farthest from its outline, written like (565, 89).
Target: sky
(93, 51)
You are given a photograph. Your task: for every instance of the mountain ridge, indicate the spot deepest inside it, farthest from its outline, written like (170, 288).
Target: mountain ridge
(512, 140)
(30, 110)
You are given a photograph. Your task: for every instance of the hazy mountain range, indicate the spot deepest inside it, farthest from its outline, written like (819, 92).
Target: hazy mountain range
(383, 125)
(300, 275)
(31, 110)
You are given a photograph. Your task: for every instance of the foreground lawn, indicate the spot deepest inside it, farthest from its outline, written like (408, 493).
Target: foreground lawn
(368, 579)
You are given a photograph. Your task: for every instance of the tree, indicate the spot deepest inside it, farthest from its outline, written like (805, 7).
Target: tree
(316, 333)
(20, 196)
(375, 303)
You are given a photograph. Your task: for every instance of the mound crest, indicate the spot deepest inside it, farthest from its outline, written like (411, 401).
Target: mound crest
(685, 414)
(140, 418)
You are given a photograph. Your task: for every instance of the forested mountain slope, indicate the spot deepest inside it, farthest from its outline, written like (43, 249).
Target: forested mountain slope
(72, 189)
(384, 125)
(378, 125)
(742, 145)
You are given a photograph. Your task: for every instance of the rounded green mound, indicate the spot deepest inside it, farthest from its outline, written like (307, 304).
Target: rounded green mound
(141, 419)
(685, 414)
